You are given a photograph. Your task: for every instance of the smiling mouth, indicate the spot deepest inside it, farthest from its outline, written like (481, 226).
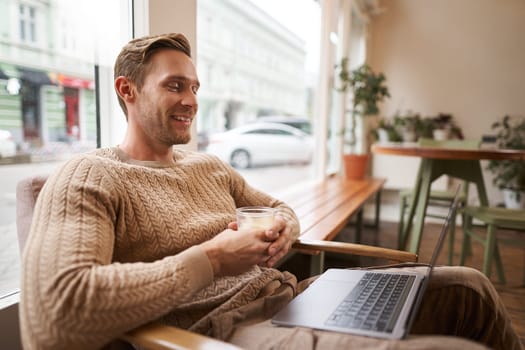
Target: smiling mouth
(183, 119)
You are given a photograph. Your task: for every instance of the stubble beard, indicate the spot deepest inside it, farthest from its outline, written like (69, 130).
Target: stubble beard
(171, 136)
(161, 129)
(181, 139)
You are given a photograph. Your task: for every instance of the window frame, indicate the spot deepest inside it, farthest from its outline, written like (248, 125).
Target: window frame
(27, 23)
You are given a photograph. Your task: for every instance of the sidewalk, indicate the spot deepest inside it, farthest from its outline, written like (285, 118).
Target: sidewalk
(51, 151)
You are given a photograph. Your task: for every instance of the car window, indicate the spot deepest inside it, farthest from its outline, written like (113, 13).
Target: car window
(269, 132)
(303, 125)
(306, 127)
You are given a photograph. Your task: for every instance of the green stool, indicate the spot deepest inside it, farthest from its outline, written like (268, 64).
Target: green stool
(494, 218)
(441, 199)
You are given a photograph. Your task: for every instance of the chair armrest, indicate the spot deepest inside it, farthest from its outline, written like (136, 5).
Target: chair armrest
(356, 249)
(156, 336)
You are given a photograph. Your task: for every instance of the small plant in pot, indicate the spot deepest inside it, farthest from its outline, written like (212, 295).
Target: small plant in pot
(385, 131)
(445, 128)
(408, 125)
(426, 128)
(509, 175)
(368, 89)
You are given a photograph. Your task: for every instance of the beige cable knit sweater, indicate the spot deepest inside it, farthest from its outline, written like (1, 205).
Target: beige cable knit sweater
(114, 244)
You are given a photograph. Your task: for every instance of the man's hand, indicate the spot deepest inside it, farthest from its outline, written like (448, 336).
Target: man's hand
(233, 252)
(281, 238)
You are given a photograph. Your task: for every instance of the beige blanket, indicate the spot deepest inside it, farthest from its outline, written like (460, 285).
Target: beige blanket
(253, 300)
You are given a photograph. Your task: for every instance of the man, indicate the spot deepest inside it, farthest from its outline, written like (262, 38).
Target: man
(140, 232)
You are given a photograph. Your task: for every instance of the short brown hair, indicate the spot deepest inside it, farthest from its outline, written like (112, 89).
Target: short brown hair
(132, 62)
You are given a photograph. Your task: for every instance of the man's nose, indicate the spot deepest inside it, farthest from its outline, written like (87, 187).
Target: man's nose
(190, 99)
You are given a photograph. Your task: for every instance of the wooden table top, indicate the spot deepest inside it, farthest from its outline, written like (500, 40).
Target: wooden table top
(414, 150)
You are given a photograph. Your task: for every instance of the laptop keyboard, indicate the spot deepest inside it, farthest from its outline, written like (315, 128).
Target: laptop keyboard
(374, 304)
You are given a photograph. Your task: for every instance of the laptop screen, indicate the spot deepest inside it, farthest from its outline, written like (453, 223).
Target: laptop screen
(450, 216)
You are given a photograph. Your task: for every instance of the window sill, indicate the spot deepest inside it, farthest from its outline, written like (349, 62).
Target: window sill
(10, 299)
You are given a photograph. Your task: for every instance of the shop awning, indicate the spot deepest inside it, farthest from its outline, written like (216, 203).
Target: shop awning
(34, 76)
(72, 82)
(38, 77)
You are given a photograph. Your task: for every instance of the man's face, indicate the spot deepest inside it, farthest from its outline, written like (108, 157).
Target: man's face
(167, 102)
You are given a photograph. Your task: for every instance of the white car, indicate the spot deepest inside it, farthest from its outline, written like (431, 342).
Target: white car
(262, 144)
(7, 145)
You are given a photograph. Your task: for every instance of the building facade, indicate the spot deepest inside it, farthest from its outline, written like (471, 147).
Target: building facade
(248, 63)
(47, 89)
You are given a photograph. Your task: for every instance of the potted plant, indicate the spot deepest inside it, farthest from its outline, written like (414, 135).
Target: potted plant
(385, 131)
(367, 88)
(444, 127)
(426, 128)
(408, 125)
(509, 175)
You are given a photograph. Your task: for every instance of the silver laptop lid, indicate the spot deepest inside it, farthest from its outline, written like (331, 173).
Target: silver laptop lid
(451, 215)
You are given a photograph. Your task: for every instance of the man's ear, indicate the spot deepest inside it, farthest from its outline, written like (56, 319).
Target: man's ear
(125, 89)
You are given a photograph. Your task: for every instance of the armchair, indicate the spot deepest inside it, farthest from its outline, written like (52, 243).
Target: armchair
(155, 336)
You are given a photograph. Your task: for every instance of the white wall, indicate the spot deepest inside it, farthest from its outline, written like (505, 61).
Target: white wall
(461, 57)
(464, 57)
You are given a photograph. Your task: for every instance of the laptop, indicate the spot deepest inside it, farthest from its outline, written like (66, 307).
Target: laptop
(343, 300)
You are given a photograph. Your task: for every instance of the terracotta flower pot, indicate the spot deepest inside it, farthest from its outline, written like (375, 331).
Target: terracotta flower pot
(356, 166)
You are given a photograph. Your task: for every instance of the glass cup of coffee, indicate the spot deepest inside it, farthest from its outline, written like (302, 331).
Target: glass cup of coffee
(256, 217)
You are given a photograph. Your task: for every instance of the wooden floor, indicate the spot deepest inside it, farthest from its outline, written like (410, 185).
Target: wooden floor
(512, 293)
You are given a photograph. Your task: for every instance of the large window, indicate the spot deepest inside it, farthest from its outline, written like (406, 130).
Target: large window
(257, 61)
(253, 59)
(48, 54)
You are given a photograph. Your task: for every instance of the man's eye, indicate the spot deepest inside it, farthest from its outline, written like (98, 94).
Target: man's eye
(195, 89)
(174, 87)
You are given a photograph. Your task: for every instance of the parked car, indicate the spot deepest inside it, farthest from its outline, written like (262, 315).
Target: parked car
(262, 144)
(7, 145)
(303, 124)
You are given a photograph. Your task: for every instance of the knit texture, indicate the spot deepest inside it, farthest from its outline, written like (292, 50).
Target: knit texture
(114, 243)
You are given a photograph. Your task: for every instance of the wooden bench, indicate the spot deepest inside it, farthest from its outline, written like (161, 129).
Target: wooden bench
(325, 207)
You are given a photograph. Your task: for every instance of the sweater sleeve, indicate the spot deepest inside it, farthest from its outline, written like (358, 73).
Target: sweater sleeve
(73, 295)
